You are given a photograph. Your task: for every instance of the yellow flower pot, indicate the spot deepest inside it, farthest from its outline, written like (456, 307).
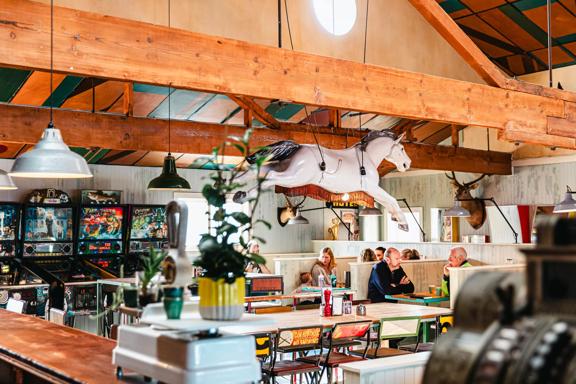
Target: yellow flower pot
(220, 300)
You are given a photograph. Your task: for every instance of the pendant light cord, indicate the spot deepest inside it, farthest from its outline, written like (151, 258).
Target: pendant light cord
(323, 162)
(51, 123)
(169, 97)
(362, 168)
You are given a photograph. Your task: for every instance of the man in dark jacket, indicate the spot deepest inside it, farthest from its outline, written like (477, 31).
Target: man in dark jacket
(388, 278)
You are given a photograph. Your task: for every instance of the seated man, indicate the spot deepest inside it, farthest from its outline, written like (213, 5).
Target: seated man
(457, 258)
(388, 278)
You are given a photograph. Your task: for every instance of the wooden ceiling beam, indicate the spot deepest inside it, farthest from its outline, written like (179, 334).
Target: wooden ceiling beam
(456, 159)
(469, 51)
(455, 36)
(258, 112)
(118, 132)
(89, 44)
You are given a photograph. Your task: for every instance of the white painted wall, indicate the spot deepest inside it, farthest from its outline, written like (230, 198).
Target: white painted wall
(132, 181)
(531, 185)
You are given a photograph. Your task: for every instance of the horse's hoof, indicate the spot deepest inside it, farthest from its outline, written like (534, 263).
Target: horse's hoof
(239, 197)
(403, 227)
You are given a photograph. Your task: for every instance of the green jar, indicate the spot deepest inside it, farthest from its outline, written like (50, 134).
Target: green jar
(173, 302)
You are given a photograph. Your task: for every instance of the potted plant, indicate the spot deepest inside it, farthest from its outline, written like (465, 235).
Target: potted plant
(222, 285)
(151, 267)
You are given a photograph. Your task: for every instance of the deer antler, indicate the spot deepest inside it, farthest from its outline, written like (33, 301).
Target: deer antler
(475, 180)
(289, 203)
(453, 178)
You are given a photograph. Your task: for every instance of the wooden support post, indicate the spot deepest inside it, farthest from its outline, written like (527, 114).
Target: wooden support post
(455, 134)
(128, 105)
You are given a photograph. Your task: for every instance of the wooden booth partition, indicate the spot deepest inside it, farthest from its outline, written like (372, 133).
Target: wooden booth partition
(422, 273)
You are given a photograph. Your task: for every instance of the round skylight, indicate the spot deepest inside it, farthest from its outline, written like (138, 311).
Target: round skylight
(336, 16)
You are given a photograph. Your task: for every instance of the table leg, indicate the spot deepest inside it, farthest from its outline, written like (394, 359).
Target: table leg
(98, 317)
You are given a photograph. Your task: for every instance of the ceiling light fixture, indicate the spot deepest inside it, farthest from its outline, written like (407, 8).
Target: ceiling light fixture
(169, 180)
(51, 157)
(566, 205)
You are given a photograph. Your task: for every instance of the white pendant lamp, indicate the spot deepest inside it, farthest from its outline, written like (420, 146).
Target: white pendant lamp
(6, 183)
(51, 157)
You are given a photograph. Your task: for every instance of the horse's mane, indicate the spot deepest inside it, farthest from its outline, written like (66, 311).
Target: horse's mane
(372, 135)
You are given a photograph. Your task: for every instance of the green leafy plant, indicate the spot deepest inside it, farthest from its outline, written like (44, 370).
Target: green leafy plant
(219, 257)
(151, 266)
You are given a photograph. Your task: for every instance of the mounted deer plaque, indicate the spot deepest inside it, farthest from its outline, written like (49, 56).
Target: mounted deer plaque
(475, 206)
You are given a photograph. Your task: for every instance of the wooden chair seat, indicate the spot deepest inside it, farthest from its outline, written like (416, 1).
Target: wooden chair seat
(374, 353)
(289, 367)
(336, 358)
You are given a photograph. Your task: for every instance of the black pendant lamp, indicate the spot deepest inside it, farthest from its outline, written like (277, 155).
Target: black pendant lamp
(169, 180)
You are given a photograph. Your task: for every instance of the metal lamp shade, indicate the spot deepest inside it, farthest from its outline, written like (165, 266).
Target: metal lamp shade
(370, 211)
(169, 180)
(51, 158)
(457, 211)
(566, 205)
(6, 182)
(298, 219)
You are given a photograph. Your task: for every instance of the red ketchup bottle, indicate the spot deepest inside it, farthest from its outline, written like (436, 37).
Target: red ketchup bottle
(328, 302)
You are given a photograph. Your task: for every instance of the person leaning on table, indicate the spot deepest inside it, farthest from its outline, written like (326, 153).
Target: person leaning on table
(388, 278)
(457, 259)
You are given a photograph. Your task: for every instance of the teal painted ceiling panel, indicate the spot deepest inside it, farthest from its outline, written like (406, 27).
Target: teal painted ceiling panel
(10, 82)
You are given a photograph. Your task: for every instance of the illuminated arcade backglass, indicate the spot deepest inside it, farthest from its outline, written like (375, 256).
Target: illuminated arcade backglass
(148, 229)
(101, 235)
(9, 228)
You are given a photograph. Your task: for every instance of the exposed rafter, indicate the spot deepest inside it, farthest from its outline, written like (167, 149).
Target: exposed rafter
(257, 111)
(119, 132)
(461, 42)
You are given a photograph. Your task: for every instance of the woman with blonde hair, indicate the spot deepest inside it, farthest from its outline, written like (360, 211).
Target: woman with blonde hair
(367, 256)
(324, 266)
(410, 254)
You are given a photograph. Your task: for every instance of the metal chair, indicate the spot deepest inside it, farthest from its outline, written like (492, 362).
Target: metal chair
(294, 340)
(394, 328)
(342, 337)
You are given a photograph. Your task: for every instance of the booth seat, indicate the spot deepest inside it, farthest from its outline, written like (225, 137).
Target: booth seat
(270, 257)
(291, 267)
(459, 275)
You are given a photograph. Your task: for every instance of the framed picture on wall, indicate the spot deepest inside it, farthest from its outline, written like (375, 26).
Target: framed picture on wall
(92, 196)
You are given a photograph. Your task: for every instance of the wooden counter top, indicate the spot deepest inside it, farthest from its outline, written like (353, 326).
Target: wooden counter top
(40, 346)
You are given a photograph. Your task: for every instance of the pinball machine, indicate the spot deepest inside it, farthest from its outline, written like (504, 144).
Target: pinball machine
(101, 237)
(148, 229)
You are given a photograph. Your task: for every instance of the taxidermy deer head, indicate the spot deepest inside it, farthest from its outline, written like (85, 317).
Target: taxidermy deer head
(289, 211)
(475, 206)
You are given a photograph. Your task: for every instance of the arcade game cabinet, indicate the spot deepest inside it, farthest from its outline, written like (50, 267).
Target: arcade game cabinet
(148, 229)
(9, 231)
(101, 236)
(48, 241)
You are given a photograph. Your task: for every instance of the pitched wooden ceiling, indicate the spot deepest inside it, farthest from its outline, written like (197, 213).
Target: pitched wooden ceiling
(513, 33)
(24, 87)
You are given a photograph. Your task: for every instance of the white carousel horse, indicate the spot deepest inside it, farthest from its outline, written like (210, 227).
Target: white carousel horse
(295, 165)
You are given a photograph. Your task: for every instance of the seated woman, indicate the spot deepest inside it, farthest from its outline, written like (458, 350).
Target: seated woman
(410, 254)
(367, 255)
(324, 266)
(252, 267)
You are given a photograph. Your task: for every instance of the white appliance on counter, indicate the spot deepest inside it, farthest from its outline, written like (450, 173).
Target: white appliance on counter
(189, 350)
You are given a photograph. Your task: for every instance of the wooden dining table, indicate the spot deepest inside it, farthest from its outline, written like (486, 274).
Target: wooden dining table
(311, 317)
